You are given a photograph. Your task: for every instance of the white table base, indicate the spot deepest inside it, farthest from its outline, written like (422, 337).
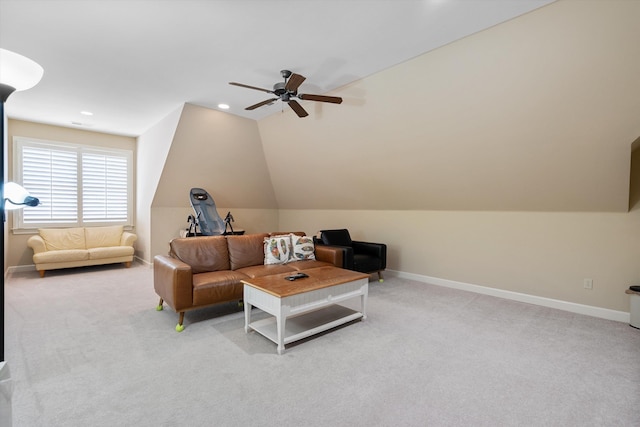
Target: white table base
(302, 315)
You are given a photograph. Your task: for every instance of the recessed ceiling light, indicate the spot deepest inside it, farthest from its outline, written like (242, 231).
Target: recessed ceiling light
(86, 113)
(223, 106)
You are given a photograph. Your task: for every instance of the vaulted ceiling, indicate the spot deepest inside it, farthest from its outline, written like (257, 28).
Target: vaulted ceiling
(131, 63)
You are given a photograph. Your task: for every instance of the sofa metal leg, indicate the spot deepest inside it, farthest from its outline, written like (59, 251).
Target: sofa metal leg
(41, 273)
(380, 278)
(180, 326)
(160, 307)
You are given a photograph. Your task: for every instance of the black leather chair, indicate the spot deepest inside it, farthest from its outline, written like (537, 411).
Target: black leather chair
(365, 257)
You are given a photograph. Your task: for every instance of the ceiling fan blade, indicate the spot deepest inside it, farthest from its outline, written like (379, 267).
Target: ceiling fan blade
(250, 87)
(321, 98)
(260, 104)
(294, 82)
(298, 108)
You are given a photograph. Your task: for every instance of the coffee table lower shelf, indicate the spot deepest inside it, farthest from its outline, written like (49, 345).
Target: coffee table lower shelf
(307, 324)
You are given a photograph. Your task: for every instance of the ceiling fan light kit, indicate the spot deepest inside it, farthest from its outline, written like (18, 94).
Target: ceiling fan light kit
(286, 92)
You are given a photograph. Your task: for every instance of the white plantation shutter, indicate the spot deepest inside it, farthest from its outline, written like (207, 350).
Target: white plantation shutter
(104, 188)
(76, 184)
(51, 175)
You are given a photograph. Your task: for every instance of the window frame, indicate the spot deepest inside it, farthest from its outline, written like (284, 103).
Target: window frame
(19, 142)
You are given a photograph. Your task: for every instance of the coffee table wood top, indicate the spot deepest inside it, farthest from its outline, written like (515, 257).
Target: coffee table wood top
(320, 277)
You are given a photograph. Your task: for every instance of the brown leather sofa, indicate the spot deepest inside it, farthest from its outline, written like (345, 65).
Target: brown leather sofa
(207, 270)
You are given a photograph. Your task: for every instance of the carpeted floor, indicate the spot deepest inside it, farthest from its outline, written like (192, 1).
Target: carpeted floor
(86, 347)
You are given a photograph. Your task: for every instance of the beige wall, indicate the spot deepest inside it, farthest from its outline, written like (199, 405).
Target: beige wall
(18, 253)
(544, 254)
(221, 153)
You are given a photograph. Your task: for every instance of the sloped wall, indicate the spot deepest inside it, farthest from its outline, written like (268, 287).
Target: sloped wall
(222, 154)
(152, 149)
(536, 114)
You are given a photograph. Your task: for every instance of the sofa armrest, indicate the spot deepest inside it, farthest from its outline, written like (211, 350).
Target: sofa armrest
(127, 239)
(346, 251)
(378, 250)
(330, 254)
(173, 281)
(37, 244)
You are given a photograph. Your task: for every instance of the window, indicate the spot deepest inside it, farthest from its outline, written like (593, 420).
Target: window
(77, 185)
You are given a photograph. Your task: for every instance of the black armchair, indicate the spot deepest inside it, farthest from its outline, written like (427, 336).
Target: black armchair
(365, 257)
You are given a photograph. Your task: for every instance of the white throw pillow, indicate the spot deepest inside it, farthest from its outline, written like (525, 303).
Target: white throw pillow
(302, 248)
(277, 249)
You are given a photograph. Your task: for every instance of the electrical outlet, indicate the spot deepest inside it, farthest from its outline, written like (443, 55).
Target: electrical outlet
(588, 283)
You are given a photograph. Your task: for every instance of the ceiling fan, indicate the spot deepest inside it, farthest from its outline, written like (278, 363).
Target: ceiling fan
(287, 90)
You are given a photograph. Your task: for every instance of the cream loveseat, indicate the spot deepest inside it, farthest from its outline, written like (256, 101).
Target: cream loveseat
(55, 248)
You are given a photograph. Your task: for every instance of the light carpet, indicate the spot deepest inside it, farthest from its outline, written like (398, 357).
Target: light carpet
(86, 347)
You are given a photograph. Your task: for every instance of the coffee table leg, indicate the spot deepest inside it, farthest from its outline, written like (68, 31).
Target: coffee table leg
(280, 324)
(247, 315)
(363, 303)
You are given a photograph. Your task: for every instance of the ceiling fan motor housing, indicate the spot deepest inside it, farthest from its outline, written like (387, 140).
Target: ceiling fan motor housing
(279, 89)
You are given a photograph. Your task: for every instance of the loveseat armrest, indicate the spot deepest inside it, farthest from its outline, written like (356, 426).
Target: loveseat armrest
(378, 250)
(128, 239)
(173, 281)
(37, 244)
(331, 254)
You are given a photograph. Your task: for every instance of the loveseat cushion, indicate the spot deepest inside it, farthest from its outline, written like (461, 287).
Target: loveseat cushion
(64, 255)
(110, 252)
(202, 253)
(246, 250)
(57, 239)
(102, 237)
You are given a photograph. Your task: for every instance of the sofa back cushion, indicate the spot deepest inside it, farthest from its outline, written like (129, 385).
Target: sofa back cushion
(103, 237)
(246, 250)
(56, 239)
(202, 253)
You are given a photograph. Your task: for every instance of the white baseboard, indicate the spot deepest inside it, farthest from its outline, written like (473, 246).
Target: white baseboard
(21, 268)
(32, 267)
(143, 262)
(603, 313)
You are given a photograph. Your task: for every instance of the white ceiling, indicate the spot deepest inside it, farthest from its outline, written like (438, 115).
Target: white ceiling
(133, 62)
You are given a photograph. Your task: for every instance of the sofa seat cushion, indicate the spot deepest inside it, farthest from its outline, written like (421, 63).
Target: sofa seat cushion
(57, 239)
(217, 286)
(110, 252)
(266, 270)
(308, 263)
(100, 237)
(67, 255)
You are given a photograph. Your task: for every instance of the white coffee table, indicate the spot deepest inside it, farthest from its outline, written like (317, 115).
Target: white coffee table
(304, 307)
